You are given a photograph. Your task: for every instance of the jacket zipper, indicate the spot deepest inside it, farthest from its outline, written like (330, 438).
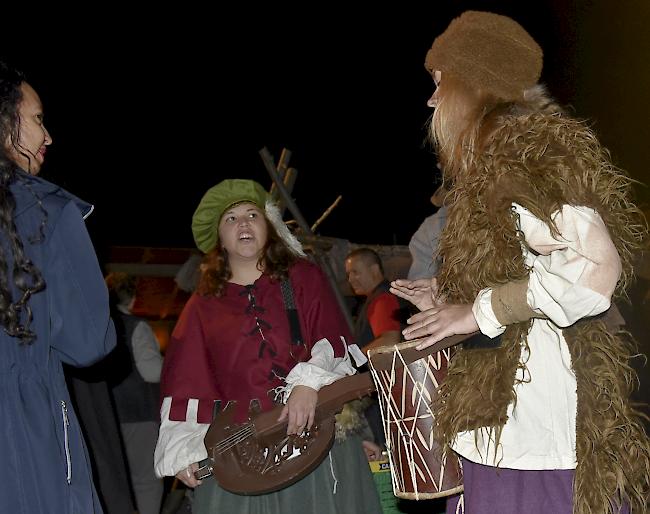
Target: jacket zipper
(66, 424)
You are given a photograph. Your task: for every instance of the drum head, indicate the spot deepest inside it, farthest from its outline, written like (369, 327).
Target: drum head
(384, 357)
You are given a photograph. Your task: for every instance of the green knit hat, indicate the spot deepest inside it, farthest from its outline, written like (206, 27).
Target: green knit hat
(217, 199)
(489, 52)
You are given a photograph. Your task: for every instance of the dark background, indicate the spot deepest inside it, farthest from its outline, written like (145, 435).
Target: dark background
(149, 109)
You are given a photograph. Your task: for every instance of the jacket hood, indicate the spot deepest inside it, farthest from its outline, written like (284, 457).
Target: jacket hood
(37, 189)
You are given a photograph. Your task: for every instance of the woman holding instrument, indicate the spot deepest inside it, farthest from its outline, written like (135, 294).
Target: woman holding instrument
(234, 341)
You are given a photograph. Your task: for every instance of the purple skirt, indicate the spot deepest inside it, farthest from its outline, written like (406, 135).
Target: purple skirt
(490, 490)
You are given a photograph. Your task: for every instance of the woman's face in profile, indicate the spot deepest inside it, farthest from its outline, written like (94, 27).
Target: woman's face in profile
(29, 151)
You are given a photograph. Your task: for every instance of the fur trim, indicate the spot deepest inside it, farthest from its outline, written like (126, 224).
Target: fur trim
(540, 161)
(351, 420)
(537, 99)
(543, 160)
(483, 398)
(275, 217)
(612, 451)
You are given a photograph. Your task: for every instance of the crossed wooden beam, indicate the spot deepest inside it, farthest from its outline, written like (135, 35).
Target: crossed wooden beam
(284, 178)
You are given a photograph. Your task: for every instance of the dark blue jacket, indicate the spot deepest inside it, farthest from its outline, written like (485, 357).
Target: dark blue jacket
(44, 466)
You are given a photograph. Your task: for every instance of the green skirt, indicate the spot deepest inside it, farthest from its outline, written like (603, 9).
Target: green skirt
(356, 492)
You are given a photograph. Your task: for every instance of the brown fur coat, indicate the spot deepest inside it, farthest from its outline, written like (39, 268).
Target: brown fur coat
(541, 159)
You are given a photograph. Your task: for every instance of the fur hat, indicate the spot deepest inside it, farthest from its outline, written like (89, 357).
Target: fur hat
(217, 199)
(489, 52)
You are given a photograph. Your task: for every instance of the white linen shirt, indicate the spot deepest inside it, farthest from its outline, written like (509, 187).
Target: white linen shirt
(572, 276)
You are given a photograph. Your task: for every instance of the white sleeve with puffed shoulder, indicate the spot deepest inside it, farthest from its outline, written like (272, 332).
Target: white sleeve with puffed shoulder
(572, 275)
(321, 369)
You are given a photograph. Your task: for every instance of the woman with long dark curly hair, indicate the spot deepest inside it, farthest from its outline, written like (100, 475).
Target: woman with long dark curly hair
(234, 342)
(53, 309)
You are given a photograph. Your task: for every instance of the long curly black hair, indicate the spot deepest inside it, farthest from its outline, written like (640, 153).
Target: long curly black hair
(24, 279)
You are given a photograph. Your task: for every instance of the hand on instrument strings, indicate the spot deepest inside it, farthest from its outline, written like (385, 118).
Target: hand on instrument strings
(300, 409)
(186, 475)
(373, 452)
(421, 292)
(441, 321)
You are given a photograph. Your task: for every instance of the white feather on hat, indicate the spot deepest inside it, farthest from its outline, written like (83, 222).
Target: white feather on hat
(275, 218)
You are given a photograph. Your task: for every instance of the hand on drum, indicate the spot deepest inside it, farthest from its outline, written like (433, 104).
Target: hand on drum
(300, 409)
(441, 321)
(420, 293)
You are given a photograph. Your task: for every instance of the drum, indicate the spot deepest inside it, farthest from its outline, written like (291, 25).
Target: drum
(407, 381)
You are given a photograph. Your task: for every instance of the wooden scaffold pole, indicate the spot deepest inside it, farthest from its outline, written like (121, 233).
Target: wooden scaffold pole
(288, 201)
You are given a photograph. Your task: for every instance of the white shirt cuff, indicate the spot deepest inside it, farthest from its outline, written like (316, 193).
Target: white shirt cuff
(180, 443)
(321, 370)
(485, 319)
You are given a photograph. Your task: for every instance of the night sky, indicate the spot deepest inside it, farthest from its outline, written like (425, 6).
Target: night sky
(148, 110)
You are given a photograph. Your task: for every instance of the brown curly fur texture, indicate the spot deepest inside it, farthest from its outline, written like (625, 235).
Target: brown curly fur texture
(351, 419)
(612, 447)
(484, 398)
(542, 160)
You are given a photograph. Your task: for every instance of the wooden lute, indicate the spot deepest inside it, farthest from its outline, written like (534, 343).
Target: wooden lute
(256, 457)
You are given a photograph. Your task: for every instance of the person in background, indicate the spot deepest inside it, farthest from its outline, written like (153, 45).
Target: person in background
(136, 391)
(379, 321)
(93, 403)
(53, 310)
(235, 341)
(423, 245)
(539, 237)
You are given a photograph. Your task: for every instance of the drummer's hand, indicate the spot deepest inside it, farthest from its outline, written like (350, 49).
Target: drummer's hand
(420, 293)
(439, 322)
(300, 409)
(187, 475)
